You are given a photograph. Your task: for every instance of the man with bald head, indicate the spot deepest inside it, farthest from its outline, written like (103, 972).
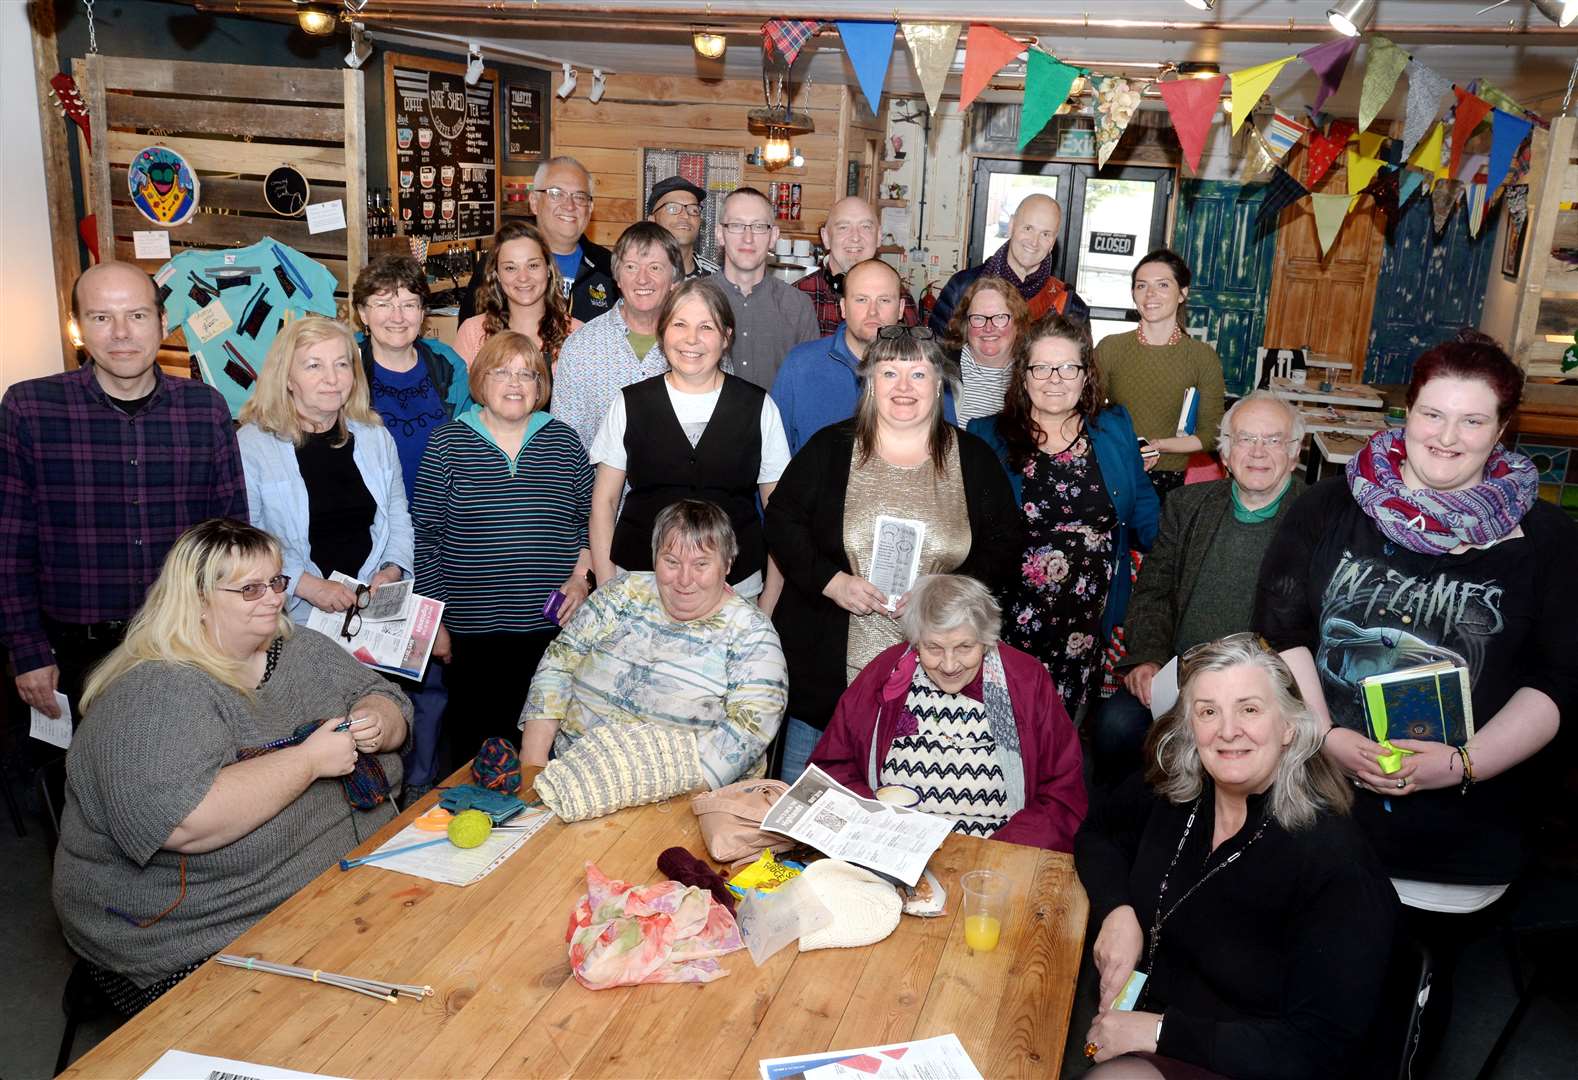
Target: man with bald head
(101, 469)
(1025, 262)
(850, 237)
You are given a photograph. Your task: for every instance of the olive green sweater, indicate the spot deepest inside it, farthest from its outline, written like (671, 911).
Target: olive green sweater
(1150, 380)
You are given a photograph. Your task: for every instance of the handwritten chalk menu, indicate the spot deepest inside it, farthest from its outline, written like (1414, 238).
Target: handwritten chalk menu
(443, 148)
(524, 114)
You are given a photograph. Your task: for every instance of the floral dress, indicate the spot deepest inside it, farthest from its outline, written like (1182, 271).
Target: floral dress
(1054, 610)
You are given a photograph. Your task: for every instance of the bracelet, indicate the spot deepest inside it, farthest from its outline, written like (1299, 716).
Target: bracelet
(1158, 1039)
(1468, 770)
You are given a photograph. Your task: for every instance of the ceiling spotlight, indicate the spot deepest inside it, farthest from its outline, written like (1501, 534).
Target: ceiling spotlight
(1203, 5)
(361, 46)
(1352, 17)
(599, 84)
(1560, 12)
(1199, 69)
(474, 64)
(709, 42)
(567, 87)
(315, 19)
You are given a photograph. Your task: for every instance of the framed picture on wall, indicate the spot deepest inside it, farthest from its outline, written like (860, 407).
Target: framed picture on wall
(852, 180)
(1517, 229)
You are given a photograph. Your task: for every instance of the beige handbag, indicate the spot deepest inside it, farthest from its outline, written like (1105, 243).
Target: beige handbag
(731, 820)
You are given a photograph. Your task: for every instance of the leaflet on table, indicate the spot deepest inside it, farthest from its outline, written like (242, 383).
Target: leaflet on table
(395, 635)
(181, 1065)
(939, 1058)
(889, 840)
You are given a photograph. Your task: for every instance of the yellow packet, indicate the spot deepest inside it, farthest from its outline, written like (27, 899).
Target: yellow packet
(766, 874)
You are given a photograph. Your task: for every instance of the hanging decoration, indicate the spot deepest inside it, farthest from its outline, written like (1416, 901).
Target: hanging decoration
(1047, 83)
(786, 37)
(1283, 133)
(1408, 185)
(1192, 103)
(1330, 212)
(931, 47)
(1258, 158)
(1443, 197)
(1471, 111)
(163, 187)
(1386, 190)
(1477, 201)
(1361, 170)
(1385, 64)
(1282, 192)
(986, 51)
(1328, 61)
(1427, 155)
(1423, 104)
(869, 46)
(1497, 97)
(1507, 133)
(1117, 100)
(1371, 143)
(1324, 149)
(286, 191)
(1248, 86)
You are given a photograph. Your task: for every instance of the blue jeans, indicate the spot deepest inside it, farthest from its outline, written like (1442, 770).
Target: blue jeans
(427, 716)
(800, 739)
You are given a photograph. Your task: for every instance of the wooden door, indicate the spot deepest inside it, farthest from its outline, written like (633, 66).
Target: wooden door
(1325, 303)
(1231, 264)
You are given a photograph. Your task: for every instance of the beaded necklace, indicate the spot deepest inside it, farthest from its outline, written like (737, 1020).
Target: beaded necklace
(1172, 339)
(271, 661)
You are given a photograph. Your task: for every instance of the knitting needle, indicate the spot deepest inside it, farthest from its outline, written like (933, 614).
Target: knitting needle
(350, 864)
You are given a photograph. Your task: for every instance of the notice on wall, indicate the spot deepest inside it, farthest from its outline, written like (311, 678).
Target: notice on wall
(523, 119)
(443, 143)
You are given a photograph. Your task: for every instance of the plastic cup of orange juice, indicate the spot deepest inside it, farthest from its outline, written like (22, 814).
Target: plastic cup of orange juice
(985, 908)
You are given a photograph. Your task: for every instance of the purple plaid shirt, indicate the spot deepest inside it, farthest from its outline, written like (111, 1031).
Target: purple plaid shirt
(92, 499)
(825, 301)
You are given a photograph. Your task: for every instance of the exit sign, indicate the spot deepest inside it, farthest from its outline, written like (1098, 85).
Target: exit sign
(1111, 243)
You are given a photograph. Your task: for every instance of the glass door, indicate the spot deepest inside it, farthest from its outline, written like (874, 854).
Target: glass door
(999, 187)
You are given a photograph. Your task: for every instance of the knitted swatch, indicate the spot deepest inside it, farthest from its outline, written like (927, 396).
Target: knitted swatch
(616, 765)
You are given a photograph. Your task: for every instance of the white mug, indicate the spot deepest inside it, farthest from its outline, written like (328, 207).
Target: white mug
(784, 246)
(802, 247)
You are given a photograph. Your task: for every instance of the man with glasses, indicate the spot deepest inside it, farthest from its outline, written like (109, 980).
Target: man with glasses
(1025, 261)
(819, 383)
(850, 237)
(1196, 585)
(561, 198)
(770, 316)
(101, 469)
(675, 204)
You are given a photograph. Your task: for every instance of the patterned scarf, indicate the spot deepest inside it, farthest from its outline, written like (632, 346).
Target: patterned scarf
(1436, 522)
(997, 266)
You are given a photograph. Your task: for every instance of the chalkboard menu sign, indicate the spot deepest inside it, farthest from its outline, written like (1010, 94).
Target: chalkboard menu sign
(524, 122)
(443, 148)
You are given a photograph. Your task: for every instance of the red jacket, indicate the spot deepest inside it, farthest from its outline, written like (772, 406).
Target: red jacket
(1055, 799)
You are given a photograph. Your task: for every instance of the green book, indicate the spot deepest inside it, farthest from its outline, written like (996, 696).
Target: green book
(1431, 703)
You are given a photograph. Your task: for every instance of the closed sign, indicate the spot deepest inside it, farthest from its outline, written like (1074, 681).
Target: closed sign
(1111, 243)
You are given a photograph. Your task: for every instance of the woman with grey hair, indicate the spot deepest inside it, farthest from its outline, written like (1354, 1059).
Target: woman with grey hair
(952, 722)
(1237, 885)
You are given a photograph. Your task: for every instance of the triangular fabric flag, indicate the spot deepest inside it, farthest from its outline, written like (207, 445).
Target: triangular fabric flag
(1425, 91)
(1427, 155)
(1507, 133)
(1330, 212)
(1329, 60)
(1117, 100)
(931, 47)
(1324, 149)
(1282, 192)
(1282, 133)
(1386, 190)
(869, 46)
(1249, 85)
(1361, 170)
(1442, 200)
(1370, 144)
(1382, 68)
(1192, 103)
(1477, 201)
(986, 50)
(1411, 181)
(1470, 111)
(787, 37)
(1258, 158)
(1047, 83)
(1498, 97)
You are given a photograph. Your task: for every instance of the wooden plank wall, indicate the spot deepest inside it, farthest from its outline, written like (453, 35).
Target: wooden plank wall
(686, 113)
(233, 123)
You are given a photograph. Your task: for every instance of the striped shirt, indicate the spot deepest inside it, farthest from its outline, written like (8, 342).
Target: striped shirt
(623, 659)
(984, 387)
(91, 499)
(494, 537)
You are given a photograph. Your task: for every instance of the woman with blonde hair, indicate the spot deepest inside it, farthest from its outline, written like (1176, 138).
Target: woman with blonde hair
(323, 474)
(195, 801)
(521, 290)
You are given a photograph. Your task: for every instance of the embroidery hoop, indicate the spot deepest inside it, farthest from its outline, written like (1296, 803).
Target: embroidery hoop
(287, 191)
(146, 198)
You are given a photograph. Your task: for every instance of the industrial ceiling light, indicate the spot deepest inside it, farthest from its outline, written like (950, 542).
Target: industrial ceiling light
(1560, 12)
(1199, 69)
(1352, 17)
(599, 84)
(709, 42)
(1203, 5)
(567, 86)
(361, 46)
(314, 19)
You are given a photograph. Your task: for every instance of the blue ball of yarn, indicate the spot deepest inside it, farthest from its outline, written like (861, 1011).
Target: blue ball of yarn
(497, 766)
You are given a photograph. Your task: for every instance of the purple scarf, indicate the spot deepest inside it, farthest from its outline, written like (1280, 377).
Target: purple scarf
(1436, 522)
(997, 266)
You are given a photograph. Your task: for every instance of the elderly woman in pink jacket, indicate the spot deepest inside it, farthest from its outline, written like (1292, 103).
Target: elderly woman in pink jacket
(953, 723)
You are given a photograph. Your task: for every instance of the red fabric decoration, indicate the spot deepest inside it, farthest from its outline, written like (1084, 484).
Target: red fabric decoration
(986, 51)
(1324, 149)
(1192, 103)
(1471, 111)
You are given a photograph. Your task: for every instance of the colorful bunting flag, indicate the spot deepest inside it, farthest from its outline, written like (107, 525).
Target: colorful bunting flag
(1423, 105)
(1427, 155)
(1470, 111)
(1361, 170)
(1370, 143)
(1258, 158)
(1507, 133)
(1047, 83)
(1330, 212)
(1328, 61)
(986, 51)
(1117, 100)
(1410, 183)
(931, 47)
(1249, 85)
(1498, 97)
(1386, 190)
(1385, 63)
(1282, 133)
(1192, 103)
(1324, 149)
(1442, 199)
(1477, 201)
(1282, 192)
(869, 46)
(787, 37)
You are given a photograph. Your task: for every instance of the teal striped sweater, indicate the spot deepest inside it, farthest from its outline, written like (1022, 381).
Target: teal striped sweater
(495, 537)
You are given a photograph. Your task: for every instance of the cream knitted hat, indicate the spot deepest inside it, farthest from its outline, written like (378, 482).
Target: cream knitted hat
(865, 908)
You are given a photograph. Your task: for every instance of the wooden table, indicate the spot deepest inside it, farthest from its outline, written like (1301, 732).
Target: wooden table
(1352, 395)
(507, 1006)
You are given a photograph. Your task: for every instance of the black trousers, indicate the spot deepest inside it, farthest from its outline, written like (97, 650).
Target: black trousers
(78, 649)
(488, 677)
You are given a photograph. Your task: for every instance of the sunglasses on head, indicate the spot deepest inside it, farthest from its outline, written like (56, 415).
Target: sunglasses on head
(894, 333)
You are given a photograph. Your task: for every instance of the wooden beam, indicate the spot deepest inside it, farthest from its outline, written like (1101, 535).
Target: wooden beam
(356, 170)
(58, 188)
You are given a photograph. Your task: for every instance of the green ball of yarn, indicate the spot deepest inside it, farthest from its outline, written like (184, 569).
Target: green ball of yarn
(469, 828)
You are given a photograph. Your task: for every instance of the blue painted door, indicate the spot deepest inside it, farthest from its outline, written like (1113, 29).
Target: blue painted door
(1429, 287)
(1231, 262)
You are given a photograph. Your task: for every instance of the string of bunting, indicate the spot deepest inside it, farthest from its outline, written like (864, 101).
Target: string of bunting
(1431, 155)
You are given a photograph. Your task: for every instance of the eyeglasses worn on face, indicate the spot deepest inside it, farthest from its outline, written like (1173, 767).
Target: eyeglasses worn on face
(405, 307)
(1065, 372)
(499, 375)
(353, 617)
(1249, 438)
(253, 591)
(581, 199)
(676, 209)
(755, 228)
(1000, 320)
(899, 330)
